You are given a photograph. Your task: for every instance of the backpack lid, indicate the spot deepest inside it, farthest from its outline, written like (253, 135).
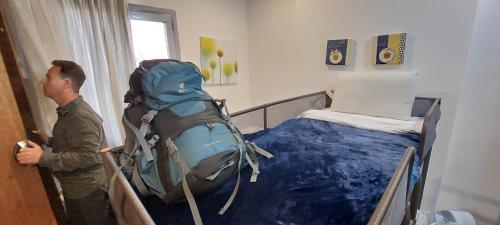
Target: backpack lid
(171, 82)
(135, 92)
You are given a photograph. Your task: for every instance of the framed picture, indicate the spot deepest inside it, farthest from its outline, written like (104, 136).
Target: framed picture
(339, 52)
(389, 48)
(219, 61)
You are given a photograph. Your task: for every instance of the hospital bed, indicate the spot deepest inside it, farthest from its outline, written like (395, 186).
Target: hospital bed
(398, 202)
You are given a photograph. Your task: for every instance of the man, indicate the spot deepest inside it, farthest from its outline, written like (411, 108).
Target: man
(77, 138)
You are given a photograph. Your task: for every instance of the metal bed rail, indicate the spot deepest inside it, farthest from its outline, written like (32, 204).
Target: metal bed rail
(392, 207)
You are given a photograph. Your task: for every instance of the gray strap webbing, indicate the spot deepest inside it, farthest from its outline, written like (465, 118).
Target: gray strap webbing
(262, 151)
(252, 164)
(146, 119)
(237, 186)
(172, 150)
(216, 174)
(255, 167)
(136, 179)
(140, 138)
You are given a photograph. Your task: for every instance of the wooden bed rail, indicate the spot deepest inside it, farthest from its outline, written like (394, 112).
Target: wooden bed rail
(405, 165)
(128, 209)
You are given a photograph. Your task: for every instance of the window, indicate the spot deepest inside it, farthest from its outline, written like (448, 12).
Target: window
(154, 33)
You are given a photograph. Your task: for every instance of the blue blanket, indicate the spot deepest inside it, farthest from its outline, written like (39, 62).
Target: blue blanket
(322, 173)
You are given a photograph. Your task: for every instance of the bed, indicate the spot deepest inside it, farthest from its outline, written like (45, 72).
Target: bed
(285, 193)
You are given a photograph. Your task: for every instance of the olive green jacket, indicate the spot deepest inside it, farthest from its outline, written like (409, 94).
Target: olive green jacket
(78, 136)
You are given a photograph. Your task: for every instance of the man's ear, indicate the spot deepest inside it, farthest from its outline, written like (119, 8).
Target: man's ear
(68, 83)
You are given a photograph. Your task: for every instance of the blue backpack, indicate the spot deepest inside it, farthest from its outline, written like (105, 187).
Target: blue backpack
(182, 139)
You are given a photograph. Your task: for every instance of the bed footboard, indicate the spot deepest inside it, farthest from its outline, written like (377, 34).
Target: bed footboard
(430, 109)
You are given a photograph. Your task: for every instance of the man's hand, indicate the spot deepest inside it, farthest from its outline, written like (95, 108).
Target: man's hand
(105, 150)
(30, 155)
(43, 136)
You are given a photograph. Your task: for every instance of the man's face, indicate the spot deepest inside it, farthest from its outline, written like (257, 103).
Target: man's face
(54, 84)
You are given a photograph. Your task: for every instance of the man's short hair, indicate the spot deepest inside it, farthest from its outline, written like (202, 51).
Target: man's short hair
(73, 71)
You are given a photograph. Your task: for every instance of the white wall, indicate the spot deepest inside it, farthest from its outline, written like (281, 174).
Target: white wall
(472, 176)
(225, 19)
(287, 48)
(284, 43)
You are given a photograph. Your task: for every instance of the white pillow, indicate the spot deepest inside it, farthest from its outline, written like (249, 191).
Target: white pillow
(382, 94)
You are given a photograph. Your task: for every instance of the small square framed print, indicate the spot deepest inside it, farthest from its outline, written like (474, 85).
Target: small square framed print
(389, 48)
(339, 52)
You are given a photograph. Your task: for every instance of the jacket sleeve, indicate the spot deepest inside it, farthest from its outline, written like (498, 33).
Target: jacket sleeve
(83, 137)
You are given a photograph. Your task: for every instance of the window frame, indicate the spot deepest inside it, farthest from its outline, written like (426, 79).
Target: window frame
(167, 16)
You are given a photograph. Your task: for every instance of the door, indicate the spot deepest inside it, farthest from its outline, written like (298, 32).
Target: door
(23, 196)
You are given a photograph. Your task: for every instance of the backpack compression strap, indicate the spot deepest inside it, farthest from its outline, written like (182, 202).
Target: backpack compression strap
(181, 164)
(251, 158)
(252, 162)
(237, 186)
(261, 151)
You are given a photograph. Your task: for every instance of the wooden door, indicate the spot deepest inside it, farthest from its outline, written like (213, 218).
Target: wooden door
(22, 196)
(23, 189)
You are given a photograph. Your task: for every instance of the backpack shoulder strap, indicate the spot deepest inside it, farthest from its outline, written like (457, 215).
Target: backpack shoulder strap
(139, 184)
(139, 134)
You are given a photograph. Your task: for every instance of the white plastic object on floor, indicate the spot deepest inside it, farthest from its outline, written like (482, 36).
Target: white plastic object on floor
(454, 217)
(444, 217)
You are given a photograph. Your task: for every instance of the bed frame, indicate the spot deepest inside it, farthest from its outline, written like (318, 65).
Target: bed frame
(396, 206)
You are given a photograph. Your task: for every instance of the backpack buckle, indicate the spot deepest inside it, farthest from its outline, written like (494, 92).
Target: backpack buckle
(147, 118)
(210, 126)
(170, 146)
(153, 140)
(231, 126)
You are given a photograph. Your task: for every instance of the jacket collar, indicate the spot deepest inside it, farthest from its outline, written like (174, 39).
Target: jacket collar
(68, 107)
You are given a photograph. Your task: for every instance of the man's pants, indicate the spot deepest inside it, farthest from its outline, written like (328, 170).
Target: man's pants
(90, 210)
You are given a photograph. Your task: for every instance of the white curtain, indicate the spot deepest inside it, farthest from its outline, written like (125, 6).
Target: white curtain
(93, 33)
